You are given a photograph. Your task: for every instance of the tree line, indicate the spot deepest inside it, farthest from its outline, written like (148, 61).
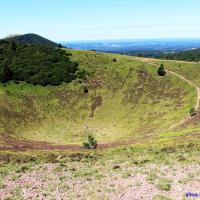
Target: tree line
(35, 64)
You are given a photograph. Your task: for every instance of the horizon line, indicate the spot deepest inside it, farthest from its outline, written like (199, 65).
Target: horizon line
(124, 39)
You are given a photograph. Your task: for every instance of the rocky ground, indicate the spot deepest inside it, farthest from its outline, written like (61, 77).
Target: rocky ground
(79, 180)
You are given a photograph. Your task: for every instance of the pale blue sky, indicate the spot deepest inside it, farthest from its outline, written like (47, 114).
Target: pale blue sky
(65, 20)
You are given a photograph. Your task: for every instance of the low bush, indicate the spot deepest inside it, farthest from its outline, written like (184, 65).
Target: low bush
(161, 70)
(192, 112)
(91, 143)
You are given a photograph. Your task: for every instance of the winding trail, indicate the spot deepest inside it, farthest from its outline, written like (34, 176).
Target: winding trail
(10, 143)
(151, 61)
(192, 84)
(197, 106)
(197, 101)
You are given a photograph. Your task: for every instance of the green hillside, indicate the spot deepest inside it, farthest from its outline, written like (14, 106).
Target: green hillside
(31, 38)
(35, 64)
(190, 70)
(117, 99)
(190, 55)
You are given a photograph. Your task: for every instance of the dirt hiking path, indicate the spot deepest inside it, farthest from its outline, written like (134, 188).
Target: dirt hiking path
(197, 106)
(197, 100)
(192, 84)
(8, 143)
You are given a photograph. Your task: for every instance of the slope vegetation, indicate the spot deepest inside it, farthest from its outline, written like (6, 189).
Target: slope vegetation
(35, 64)
(116, 99)
(188, 128)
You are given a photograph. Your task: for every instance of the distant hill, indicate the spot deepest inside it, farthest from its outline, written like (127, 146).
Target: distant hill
(190, 55)
(31, 38)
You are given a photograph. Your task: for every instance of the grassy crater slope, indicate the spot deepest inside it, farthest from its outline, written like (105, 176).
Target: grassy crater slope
(190, 130)
(125, 100)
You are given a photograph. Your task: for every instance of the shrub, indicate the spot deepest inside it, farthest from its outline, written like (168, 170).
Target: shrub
(161, 70)
(81, 74)
(160, 197)
(164, 184)
(114, 59)
(6, 74)
(85, 90)
(86, 145)
(192, 112)
(91, 143)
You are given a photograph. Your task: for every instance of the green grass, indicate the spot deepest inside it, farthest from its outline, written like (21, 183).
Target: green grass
(134, 102)
(98, 164)
(160, 197)
(191, 71)
(164, 184)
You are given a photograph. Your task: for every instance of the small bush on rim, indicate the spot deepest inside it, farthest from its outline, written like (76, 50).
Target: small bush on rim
(91, 143)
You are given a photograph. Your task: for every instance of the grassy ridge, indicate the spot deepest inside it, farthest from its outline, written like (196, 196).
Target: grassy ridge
(190, 70)
(125, 100)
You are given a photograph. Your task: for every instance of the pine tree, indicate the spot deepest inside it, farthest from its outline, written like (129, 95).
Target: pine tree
(13, 46)
(91, 143)
(161, 70)
(7, 74)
